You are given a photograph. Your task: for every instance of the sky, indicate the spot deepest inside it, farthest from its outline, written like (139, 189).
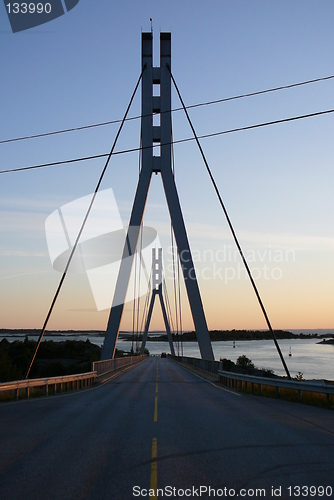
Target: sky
(276, 181)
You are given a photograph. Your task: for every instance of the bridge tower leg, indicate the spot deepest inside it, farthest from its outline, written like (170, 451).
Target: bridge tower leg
(159, 164)
(157, 278)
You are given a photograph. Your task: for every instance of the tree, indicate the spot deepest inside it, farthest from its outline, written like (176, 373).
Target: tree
(245, 362)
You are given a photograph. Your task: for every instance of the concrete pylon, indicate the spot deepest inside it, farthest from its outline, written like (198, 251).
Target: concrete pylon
(157, 278)
(162, 164)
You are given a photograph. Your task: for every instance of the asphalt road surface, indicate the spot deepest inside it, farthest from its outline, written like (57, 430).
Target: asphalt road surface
(158, 425)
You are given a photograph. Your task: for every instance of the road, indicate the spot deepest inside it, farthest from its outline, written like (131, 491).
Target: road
(159, 424)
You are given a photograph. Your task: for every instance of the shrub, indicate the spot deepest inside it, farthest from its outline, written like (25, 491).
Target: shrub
(227, 364)
(245, 362)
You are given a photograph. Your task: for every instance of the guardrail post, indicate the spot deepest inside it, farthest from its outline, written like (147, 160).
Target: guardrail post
(17, 394)
(298, 394)
(27, 392)
(46, 389)
(260, 389)
(252, 387)
(277, 391)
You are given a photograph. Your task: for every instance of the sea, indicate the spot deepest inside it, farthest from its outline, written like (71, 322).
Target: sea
(303, 356)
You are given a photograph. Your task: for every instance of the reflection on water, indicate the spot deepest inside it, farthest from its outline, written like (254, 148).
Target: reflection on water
(314, 360)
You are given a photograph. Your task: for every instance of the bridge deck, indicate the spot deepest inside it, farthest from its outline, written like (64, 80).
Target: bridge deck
(98, 443)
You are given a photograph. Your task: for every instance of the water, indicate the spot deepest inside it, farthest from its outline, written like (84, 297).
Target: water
(314, 360)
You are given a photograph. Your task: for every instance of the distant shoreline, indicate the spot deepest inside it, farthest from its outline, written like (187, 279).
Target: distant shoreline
(215, 335)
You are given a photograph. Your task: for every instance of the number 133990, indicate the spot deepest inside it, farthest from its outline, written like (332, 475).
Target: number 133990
(28, 8)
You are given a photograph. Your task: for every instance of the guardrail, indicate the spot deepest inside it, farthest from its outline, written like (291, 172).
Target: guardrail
(67, 382)
(110, 365)
(233, 380)
(240, 381)
(202, 364)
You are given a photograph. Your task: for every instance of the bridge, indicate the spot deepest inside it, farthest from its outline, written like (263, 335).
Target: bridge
(157, 429)
(158, 425)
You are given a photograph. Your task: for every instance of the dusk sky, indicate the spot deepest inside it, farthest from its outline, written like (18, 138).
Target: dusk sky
(276, 181)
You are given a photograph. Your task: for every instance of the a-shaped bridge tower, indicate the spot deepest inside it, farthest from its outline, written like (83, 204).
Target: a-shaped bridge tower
(157, 281)
(150, 135)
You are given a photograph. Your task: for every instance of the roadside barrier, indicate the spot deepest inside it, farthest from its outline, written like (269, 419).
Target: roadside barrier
(56, 385)
(201, 364)
(59, 384)
(240, 381)
(110, 365)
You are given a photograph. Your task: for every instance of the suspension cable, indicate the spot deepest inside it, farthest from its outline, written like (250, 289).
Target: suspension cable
(175, 294)
(178, 141)
(180, 304)
(135, 299)
(173, 256)
(134, 305)
(232, 230)
(139, 276)
(206, 103)
(145, 311)
(81, 229)
(168, 308)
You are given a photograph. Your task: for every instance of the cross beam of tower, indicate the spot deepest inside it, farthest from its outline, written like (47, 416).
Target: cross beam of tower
(157, 278)
(162, 164)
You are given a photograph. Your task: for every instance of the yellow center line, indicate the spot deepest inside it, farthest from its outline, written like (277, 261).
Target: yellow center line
(154, 465)
(155, 418)
(154, 468)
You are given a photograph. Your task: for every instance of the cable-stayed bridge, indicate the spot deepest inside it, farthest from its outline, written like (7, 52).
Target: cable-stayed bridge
(156, 429)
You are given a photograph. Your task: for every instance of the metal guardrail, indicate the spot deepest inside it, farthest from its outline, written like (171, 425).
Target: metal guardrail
(232, 380)
(78, 381)
(110, 365)
(202, 364)
(67, 382)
